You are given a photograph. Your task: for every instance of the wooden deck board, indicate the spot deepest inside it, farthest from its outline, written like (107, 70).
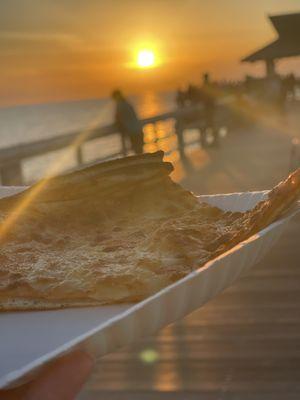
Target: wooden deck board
(245, 343)
(193, 395)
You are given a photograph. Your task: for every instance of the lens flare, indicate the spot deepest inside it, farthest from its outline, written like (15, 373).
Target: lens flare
(149, 356)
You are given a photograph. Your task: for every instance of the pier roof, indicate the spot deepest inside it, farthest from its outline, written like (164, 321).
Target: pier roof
(287, 43)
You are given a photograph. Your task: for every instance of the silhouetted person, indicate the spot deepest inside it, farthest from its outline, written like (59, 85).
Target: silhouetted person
(180, 98)
(273, 92)
(127, 122)
(193, 94)
(282, 97)
(209, 103)
(287, 89)
(291, 83)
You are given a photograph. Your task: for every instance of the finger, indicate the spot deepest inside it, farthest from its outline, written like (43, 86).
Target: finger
(63, 379)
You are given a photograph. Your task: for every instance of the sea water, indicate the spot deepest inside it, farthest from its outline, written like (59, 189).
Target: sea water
(29, 123)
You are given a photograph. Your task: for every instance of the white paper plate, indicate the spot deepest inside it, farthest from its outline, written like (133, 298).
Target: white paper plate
(28, 340)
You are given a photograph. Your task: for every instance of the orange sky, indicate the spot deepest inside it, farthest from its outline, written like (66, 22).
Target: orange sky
(71, 49)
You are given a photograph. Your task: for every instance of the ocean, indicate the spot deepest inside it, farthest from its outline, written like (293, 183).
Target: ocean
(29, 123)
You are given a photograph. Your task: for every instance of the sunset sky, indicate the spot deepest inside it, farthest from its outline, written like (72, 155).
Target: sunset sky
(72, 49)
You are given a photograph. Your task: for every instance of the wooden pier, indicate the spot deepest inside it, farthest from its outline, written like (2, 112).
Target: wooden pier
(12, 158)
(245, 343)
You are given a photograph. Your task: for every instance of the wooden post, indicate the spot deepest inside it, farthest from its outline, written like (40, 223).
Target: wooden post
(123, 145)
(179, 129)
(11, 158)
(270, 67)
(11, 174)
(295, 155)
(79, 155)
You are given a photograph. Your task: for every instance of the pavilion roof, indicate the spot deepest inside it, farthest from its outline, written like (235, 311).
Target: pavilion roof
(287, 43)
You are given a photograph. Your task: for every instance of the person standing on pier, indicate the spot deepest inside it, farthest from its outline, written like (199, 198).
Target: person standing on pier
(209, 103)
(127, 122)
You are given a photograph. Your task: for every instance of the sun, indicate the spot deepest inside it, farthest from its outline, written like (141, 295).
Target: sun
(145, 58)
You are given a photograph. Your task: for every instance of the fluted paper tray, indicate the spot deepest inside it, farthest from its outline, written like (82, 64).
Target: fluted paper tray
(29, 340)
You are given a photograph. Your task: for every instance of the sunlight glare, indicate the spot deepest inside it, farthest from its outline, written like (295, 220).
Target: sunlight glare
(145, 58)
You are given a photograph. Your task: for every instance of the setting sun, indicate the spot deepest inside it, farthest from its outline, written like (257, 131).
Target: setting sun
(145, 58)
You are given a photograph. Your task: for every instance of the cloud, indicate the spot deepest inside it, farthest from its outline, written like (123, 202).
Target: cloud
(40, 37)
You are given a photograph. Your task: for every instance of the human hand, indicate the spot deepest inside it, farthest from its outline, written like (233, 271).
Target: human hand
(62, 380)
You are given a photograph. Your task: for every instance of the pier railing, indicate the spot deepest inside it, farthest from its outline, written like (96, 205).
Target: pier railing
(11, 158)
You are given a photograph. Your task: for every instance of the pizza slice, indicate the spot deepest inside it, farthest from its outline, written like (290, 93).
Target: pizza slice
(115, 232)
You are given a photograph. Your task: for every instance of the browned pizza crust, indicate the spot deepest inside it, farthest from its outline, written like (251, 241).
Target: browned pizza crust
(114, 232)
